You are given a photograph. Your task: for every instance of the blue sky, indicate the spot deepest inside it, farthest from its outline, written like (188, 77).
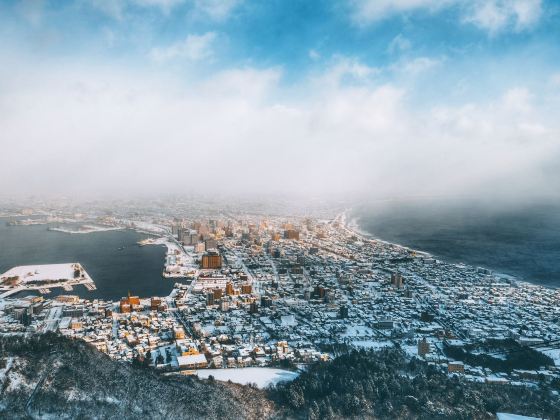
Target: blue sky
(299, 36)
(359, 78)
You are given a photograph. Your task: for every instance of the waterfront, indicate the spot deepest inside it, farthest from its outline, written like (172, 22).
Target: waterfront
(522, 242)
(113, 259)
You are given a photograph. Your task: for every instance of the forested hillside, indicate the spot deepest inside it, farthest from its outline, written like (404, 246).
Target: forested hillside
(52, 376)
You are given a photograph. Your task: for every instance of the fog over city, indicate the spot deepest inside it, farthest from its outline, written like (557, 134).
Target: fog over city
(106, 109)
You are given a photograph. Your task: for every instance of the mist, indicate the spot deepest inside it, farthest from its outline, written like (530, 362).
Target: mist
(91, 131)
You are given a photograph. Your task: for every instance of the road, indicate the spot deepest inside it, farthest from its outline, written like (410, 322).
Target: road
(48, 370)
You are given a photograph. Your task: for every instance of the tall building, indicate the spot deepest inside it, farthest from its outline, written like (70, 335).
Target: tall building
(423, 347)
(266, 302)
(229, 288)
(155, 302)
(397, 280)
(211, 260)
(291, 234)
(253, 308)
(217, 293)
(211, 244)
(128, 304)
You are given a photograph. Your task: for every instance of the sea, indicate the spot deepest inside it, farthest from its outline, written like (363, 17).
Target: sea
(520, 241)
(113, 259)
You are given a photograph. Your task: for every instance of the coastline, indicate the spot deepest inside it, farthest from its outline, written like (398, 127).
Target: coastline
(352, 225)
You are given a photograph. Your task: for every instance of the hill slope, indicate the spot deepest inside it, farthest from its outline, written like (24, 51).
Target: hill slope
(54, 376)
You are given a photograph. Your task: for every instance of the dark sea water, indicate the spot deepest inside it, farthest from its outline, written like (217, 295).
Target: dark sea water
(520, 241)
(115, 271)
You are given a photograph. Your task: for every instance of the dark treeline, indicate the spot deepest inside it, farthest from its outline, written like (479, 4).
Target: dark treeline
(385, 384)
(77, 381)
(516, 356)
(80, 382)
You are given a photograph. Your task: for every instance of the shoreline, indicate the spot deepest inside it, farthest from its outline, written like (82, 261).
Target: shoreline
(353, 226)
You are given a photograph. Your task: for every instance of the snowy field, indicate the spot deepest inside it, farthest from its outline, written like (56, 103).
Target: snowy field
(262, 377)
(554, 353)
(85, 229)
(32, 273)
(371, 344)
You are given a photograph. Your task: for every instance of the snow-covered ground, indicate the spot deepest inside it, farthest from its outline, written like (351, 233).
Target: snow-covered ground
(86, 229)
(553, 353)
(31, 273)
(43, 277)
(262, 377)
(371, 344)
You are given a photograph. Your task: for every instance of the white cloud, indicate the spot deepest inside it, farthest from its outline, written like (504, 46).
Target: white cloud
(314, 55)
(495, 16)
(164, 5)
(416, 65)
(192, 48)
(367, 11)
(126, 131)
(399, 43)
(113, 8)
(32, 10)
(347, 70)
(555, 79)
(218, 10)
(117, 9)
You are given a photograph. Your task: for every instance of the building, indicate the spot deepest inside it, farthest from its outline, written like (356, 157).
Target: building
(178, 333)
(291, 234)
(129, 304)
(217, 293)
(211, 260)
(155, 303)
(397, 280)
(211, 244)
(423, 347)
(246, 289)
(266, 302)
(229, 288)
(193, 361)
(455, 367)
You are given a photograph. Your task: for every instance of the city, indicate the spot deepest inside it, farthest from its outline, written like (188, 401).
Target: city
(290, 209)
(257, 291)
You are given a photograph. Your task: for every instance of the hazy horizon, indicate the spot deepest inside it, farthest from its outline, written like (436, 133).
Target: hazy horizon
(360, 98)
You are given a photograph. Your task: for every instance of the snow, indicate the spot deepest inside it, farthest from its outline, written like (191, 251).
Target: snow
(553, 353)
(262, 377)
(371, 344)
(31, 273)
(506, 416)
(86, 229)
(358, 331)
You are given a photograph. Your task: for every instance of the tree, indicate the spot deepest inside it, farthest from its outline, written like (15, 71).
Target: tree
(159, 359)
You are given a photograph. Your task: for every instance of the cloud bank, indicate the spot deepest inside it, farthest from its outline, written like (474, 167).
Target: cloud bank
(88, 130)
